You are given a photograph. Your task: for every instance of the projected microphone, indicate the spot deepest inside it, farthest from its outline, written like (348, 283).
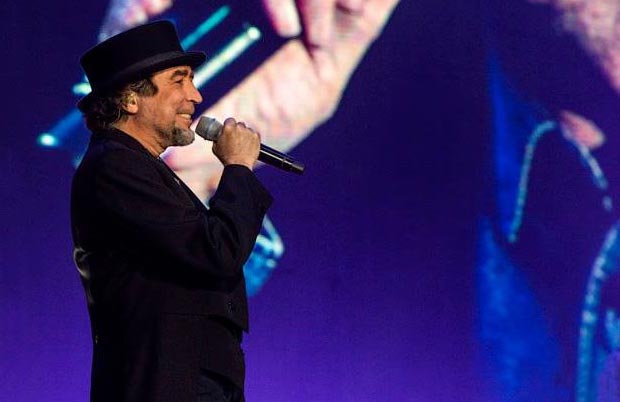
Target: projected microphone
(210, 129)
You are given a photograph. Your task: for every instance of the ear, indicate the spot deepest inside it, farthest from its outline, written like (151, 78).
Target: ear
(130, 103)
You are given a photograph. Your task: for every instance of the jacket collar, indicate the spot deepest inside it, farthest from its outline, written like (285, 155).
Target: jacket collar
(122, 137)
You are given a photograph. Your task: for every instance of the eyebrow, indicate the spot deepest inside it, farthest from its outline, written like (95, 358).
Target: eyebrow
(182, 73)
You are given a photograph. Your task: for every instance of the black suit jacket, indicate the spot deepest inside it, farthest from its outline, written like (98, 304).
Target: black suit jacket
(163, 274)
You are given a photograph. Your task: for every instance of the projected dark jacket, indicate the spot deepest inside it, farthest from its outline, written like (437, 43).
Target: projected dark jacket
(162, 273)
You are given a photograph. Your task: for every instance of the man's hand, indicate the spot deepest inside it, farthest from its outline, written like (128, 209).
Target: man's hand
(237, 144)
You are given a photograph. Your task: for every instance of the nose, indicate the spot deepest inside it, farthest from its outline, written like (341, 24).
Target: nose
(193, 94)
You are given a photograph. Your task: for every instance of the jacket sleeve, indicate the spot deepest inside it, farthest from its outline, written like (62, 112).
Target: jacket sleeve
(156, 216)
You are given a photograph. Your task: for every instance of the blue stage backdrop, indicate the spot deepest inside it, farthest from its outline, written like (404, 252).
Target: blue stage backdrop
(455, 236)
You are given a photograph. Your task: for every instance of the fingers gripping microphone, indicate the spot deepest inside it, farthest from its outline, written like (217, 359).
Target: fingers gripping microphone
(210, 129)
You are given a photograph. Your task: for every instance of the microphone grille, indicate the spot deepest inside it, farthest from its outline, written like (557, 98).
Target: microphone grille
(208, 128)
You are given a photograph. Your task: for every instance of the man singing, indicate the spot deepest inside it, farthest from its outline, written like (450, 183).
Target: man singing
(162, 274)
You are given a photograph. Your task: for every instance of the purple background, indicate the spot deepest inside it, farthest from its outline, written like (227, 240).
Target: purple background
(375, 296)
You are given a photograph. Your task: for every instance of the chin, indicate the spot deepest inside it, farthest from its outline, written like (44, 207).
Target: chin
(182, 136)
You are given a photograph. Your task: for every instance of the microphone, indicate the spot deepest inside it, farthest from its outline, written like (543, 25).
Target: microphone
(210, 129)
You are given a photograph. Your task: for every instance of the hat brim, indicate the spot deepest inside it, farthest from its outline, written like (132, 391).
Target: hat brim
(144, 69)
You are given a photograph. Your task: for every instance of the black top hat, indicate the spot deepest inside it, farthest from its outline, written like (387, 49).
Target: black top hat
(134, 54)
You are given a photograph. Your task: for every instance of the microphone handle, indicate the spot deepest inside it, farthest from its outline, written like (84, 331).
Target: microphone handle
(280, 160)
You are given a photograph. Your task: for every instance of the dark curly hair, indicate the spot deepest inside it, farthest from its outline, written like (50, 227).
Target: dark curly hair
(101, 111)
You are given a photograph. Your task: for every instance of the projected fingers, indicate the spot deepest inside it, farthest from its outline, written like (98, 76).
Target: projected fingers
(283, 16)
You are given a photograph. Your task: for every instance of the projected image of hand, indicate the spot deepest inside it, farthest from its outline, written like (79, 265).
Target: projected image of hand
(125, 14)
(299, 86)
(596, 24)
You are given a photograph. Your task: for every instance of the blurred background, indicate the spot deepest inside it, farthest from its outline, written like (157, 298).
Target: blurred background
(454, 236)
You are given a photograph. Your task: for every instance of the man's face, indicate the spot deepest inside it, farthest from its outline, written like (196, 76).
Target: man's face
(168, 113)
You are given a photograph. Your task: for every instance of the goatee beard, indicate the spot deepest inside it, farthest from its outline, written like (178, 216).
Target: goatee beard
(182, 137)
